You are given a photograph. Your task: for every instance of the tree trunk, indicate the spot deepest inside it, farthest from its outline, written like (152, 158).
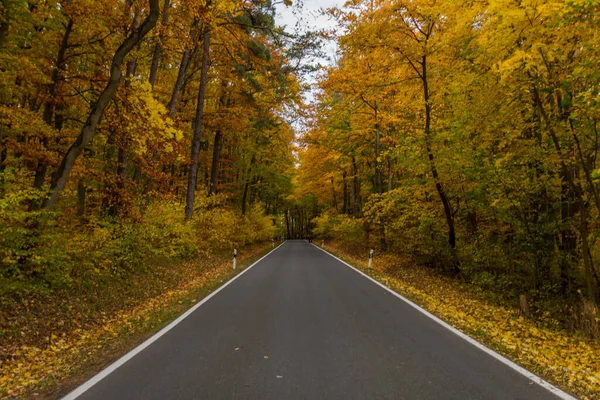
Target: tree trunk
(81, 194)
(214, 170)
(49, 108)
(183, 68)
(287, 223)
(4, 22)
(568, 239)
(382, 241)
(122, 159)
(159, 45)
(335, 206)
(247, 186)
(390, 174)
(97, 110)
(345, 188)
(218, 144)
(434, 172)
(193, 171)
(244, 197)
(524, 305)
(356, 206)
(587, 264)
(3, 155)
(378, 151)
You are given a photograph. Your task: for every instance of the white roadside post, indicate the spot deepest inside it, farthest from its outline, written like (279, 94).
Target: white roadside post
(272, 243)
(234, 257)
(370, 258)
(323, 243)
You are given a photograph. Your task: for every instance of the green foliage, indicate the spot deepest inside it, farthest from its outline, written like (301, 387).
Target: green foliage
(50, 257)
(338, 227)
(480, 125)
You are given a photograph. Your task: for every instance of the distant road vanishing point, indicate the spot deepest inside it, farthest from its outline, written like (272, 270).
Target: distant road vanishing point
(301, 324)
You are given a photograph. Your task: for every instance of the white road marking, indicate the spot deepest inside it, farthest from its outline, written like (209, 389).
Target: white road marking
(111, 368)
(534, 378)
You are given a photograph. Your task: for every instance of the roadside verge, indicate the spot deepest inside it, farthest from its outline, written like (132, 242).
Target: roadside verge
(72, 358)
(568, 362)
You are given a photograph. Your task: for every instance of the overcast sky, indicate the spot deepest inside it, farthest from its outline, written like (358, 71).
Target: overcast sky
(308, 17)
(302, 17)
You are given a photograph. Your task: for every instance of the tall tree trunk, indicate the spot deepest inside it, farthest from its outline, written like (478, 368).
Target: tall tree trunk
(193, 171)
(247, 185)
(587, 262)
(378, 151)
(4, 22)
(214, 170)
(49, 109)
(345, 188)
(244, 197)
(293, 223)
(97, 110)
(218, 144)
(432, 166)
(159, 45)
(81, 195)
(567, 239)
(3, 156)
(287, 223)
(122, 158)
(390, 174)
(382, 241)
(181, 74)
(186, 60)
(356, 200)
(335, 206)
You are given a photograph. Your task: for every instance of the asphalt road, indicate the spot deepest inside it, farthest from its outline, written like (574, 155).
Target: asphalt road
(302, 325)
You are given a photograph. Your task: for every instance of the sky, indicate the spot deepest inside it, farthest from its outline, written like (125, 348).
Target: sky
(308, 17)
(302, 16)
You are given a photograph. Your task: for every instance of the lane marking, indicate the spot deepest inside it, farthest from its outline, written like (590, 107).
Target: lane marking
(112, 367)
(530, 375)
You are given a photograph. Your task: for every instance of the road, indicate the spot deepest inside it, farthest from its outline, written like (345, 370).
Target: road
(302, 325)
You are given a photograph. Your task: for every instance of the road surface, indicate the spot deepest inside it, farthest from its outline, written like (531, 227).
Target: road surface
(302, 325)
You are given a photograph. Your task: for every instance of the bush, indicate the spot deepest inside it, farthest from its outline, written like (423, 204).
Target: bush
(60, 254)
(341, 227)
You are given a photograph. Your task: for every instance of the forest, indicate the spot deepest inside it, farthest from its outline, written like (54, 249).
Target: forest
(464, 135)
(133, 128)
(137, 135)
(134, 136)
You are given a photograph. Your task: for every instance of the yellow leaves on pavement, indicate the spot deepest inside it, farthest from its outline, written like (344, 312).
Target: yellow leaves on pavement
(27, 367)
(557, 355)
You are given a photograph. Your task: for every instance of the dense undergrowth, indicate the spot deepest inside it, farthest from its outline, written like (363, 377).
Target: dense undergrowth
(483, 269)
(42, 254)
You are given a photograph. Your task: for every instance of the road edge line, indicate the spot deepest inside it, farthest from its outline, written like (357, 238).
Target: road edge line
(528, 374)
(84, 387)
